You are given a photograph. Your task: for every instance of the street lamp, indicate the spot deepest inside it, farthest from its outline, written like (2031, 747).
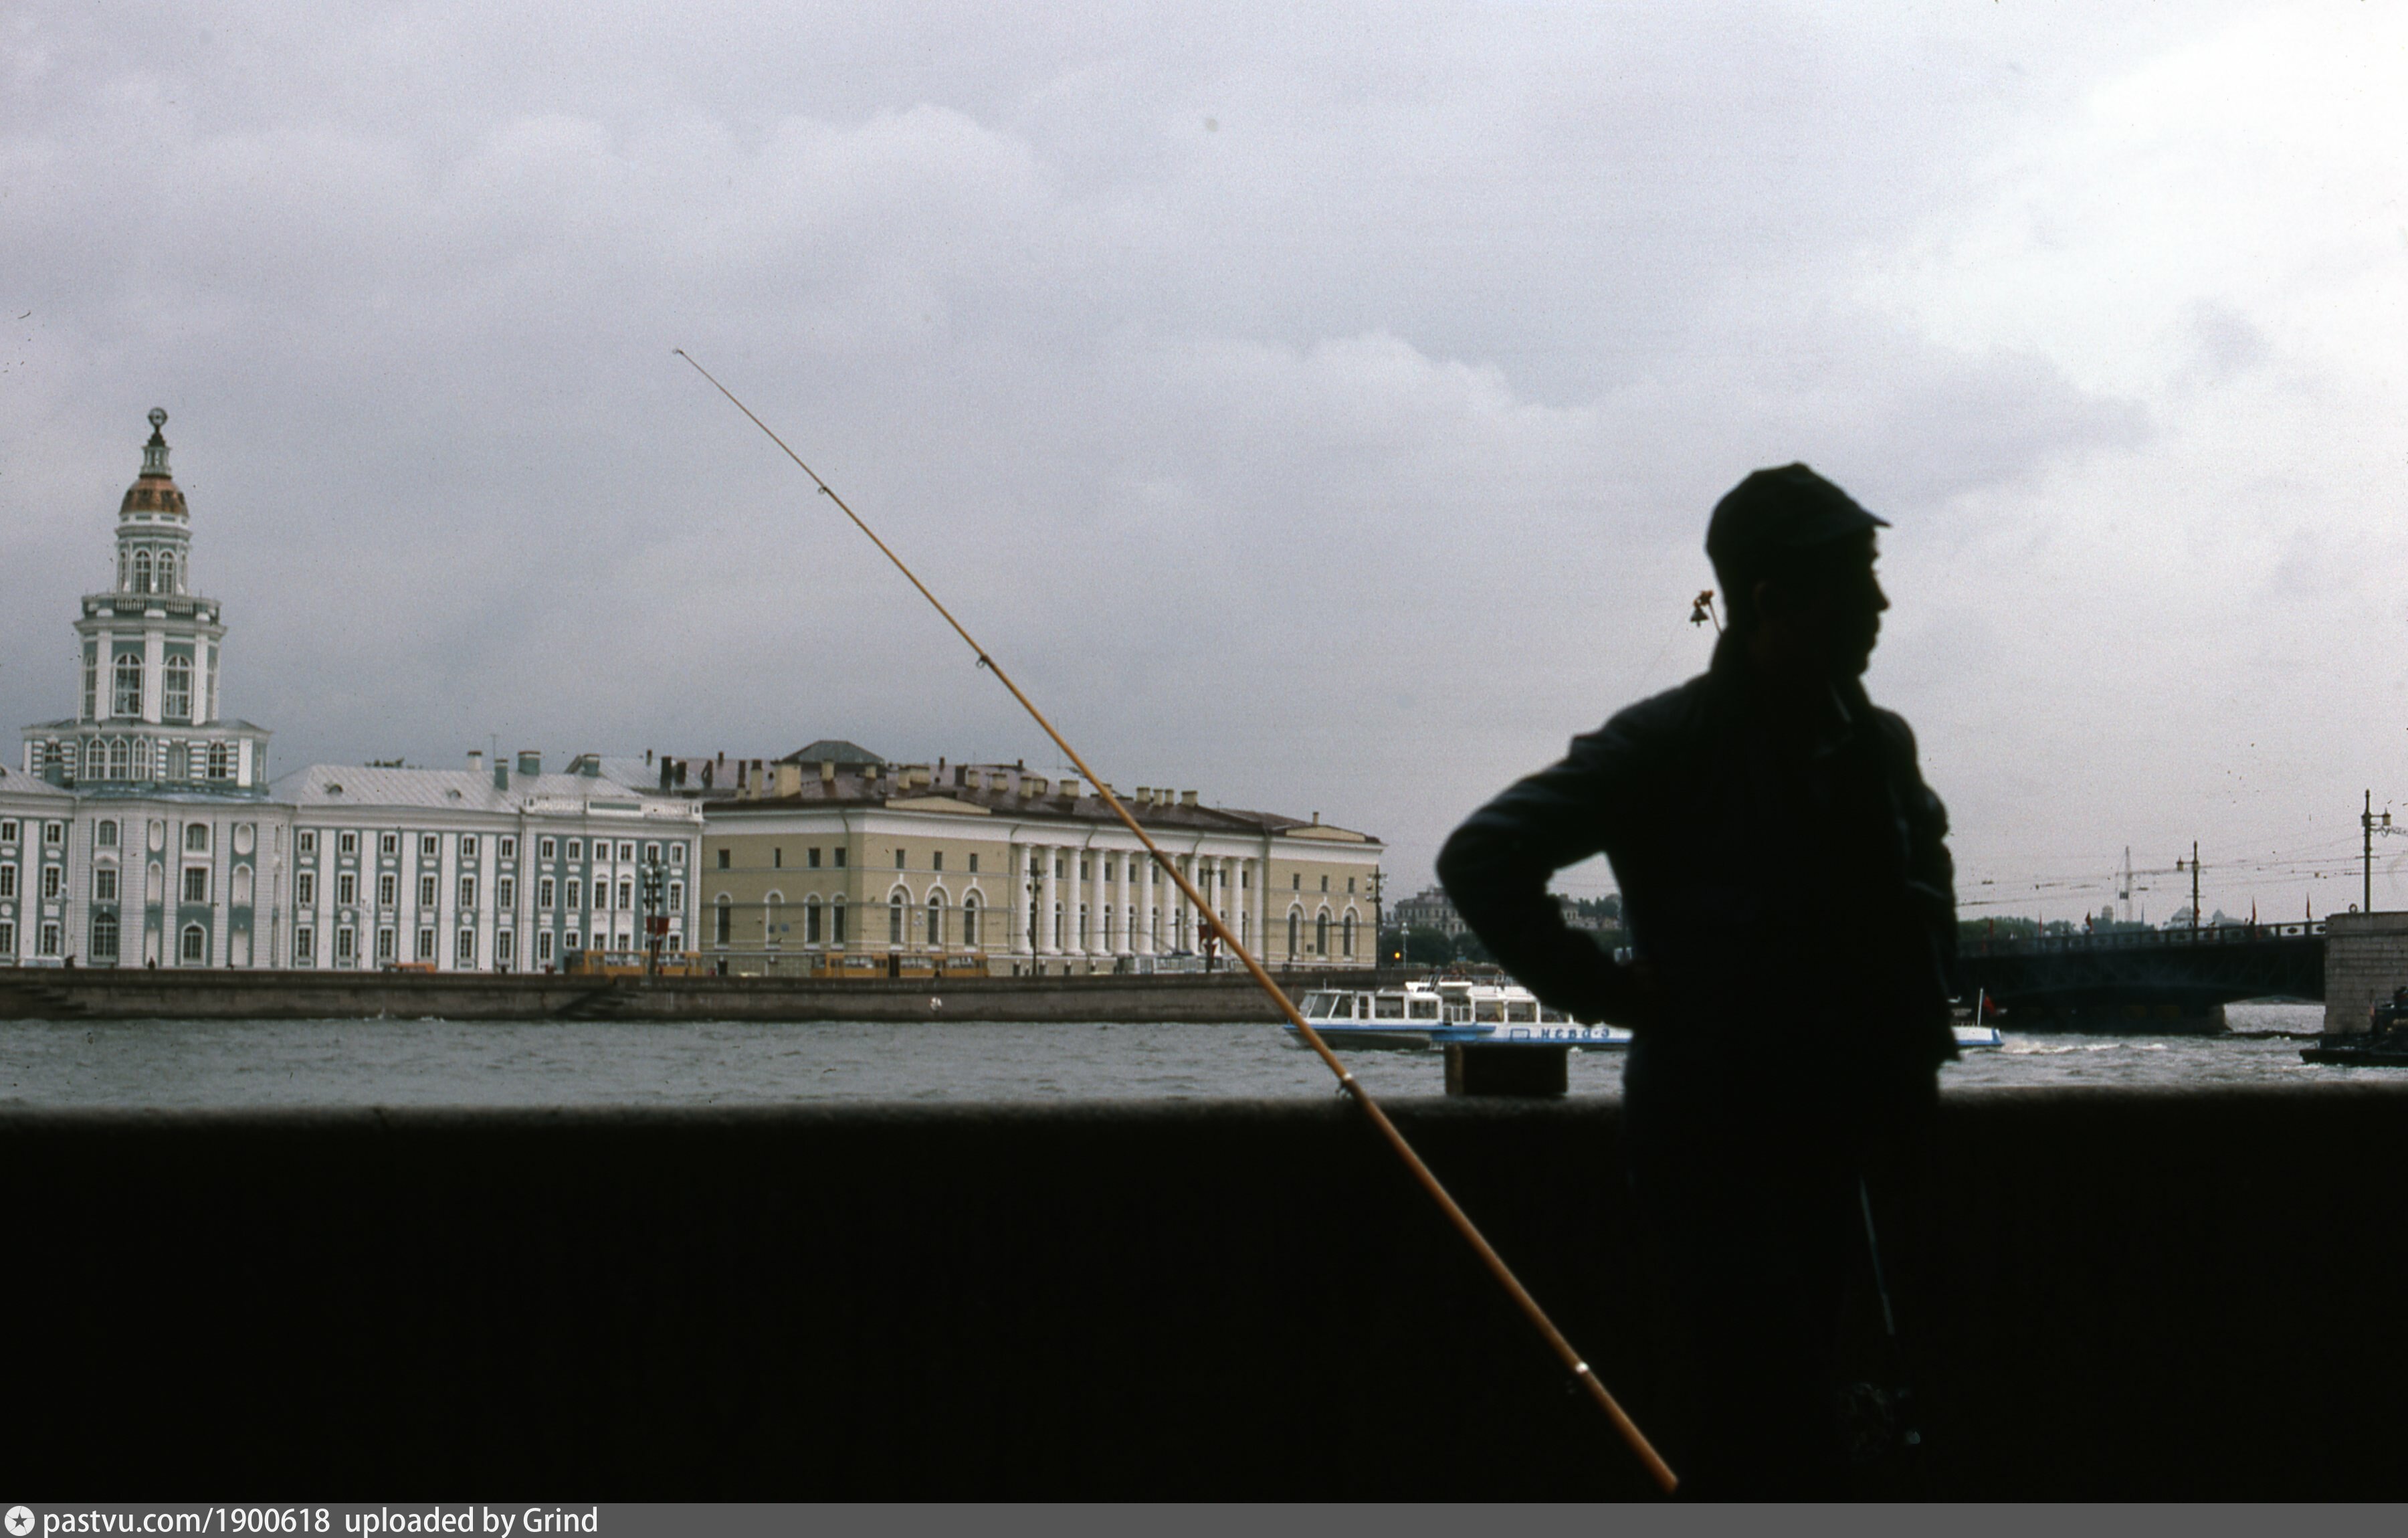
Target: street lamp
(2367, 823)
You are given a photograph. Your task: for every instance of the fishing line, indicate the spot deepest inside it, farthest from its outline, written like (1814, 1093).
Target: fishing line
(1346, 1080)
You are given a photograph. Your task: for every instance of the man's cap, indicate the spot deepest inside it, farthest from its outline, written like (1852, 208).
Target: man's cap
(1782, 512)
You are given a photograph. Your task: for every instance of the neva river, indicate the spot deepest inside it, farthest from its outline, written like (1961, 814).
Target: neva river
(233, 1064)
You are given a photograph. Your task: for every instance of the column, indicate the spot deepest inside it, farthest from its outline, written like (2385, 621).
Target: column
(1099, 940)
(1262, 905)
(1149, 879)
(1015, 898)
(154, 673)
(1049, 896)
(1074, 897)
(1122, 891)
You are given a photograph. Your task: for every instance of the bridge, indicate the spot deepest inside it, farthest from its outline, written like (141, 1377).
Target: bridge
(2144, 979)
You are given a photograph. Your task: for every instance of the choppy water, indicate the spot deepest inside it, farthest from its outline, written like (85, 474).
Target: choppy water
(238, 1063)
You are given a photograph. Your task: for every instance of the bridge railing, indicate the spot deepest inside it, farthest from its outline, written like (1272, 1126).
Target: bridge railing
(2126, 940)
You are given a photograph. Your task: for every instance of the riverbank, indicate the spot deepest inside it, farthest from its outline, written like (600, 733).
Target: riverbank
(142, 993)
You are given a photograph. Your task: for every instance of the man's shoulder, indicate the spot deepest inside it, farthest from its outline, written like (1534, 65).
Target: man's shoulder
(1664, 720)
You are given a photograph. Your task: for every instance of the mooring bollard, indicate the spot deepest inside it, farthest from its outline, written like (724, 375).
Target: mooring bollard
(1482, 1068)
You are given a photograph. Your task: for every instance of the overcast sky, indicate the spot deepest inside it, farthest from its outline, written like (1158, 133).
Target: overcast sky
(1319, 410)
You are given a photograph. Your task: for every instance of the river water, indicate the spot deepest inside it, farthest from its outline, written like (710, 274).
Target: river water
(244, 1063)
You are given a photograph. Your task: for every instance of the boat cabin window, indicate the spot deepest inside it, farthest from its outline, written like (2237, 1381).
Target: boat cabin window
(1388, 1006)
(1424, 1009)
(1317, 1005)
(1552, 1017)
(1489, 1010)
(1521, 1010)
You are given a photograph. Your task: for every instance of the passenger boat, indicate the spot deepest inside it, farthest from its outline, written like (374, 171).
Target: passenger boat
(1421, 1014)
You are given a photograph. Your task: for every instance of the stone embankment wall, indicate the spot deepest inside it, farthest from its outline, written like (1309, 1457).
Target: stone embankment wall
(126, 994)
(2140, 1295)
(2365, 956)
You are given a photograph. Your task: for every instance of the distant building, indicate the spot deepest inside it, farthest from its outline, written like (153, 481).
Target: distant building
(1429, 909)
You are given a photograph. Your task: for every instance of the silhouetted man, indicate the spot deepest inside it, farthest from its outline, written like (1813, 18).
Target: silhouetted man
(1791, 906)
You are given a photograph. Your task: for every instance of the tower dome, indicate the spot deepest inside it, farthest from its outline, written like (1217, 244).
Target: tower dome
(154, 490)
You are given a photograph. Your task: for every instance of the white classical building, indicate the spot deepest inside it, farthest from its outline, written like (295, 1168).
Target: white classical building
(144, 831)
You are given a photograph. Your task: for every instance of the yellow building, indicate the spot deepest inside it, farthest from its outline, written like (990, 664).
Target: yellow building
(831, 860)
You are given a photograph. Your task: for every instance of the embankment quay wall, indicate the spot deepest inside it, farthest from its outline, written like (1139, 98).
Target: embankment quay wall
(132, 994)
(2138, 1295)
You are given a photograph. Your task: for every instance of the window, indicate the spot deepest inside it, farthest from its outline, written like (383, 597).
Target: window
(306, 841)
(196, 944)
(543, 947)
(973, 863)
(723, 921)
(196, 883)
(425, 944)
(386, 941)
(8, 830)
(577, 850)
(8, 881)
(894, 919)
(305, 946)
(53, 879)
(429, 847)
(811, 921)
(464, 949)
(221, 761)
(142, 571)
(543, 893)
(305, 889)
(388, 844)
(503, 948)
(1321, 935)
(835, 918)
(347, 890)
(1296, 882)
(937, 860)
(652, 854)
(504, 895)
(839, 856)
(426, 890)
(120, 760)
(1347, 937)
(467, 891)
(104, 937)
(723, 859)
(677, 853)
(626, 894)
(1295, 931)
(898, 861)
(91, 688)
(970, 919)
(104, 883)
(677, 897)
(778, 860)
(571, 941)
(627, 850)
(547, 849)
(104, 834)
(128, 696)
(7, 937)
(176, 761)
(467, 846)
(507, 848)
(573, 891)
(48, 944)
(387, 890)
(178, 705)
(1350, 886)
(935, 920)
(1325, 884)
(347, 945)
(55, 833)
(196, 838)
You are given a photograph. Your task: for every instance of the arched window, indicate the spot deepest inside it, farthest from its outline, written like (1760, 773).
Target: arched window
(104, 937)
(935, 920)
(178, 692)
(773, 919)
(221, 761)
(835, 922)
(894, 919)
(121, 759)
(128, 695)
(196, 944)
(1321, 935)
(169, 581)
(1295, 931)
(969, 921)
(722, 922)
(142, 571)
(811, 921)
(1347, 937)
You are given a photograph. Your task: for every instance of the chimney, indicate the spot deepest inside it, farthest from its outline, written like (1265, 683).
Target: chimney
(530, 761)
(1070, 786)
(1145, 795)
(828, 772)
(476, 760)
(1186, 798)
(501, 771)
(790, 779)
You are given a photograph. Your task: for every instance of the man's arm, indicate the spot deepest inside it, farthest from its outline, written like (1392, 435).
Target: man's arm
(1496, 868)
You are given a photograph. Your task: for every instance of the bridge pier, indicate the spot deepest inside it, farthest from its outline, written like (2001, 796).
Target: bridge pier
(2365, 956)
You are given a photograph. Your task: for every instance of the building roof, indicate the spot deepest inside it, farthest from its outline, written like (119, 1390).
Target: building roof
(471, 790)
(831, 750)
(18, 782)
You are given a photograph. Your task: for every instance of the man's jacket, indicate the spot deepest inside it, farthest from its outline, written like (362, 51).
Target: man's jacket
(1786, 885)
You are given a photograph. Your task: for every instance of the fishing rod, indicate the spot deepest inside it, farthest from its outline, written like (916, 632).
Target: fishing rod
(1347, 1082)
